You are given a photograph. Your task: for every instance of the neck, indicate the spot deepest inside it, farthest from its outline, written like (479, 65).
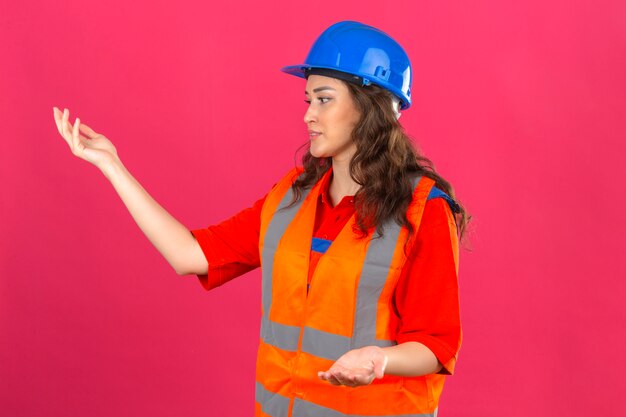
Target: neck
(342, 183)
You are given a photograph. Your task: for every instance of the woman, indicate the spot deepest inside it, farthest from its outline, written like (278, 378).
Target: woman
(358, 247)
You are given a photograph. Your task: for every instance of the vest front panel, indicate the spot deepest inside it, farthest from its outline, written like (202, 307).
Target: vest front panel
(348, 306)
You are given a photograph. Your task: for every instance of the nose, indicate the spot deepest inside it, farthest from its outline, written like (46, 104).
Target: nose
(310, 115)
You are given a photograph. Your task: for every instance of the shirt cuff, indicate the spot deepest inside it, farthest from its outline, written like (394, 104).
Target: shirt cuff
(216, 274)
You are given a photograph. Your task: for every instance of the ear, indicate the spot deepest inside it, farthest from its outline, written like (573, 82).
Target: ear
(395, 103)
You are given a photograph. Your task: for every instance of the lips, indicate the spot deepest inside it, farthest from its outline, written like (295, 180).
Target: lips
(313, 134)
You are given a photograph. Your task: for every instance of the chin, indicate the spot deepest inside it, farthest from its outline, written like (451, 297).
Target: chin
(318, 153)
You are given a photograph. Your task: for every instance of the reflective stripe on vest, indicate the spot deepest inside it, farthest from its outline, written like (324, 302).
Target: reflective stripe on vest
(281, 336)
(276, 405)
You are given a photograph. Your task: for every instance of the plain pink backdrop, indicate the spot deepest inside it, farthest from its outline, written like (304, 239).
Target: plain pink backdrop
(521, 105)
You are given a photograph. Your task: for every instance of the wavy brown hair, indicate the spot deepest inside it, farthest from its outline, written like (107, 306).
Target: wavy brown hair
(384, 165)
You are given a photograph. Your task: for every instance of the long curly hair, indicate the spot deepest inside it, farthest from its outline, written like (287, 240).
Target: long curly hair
(384, 165)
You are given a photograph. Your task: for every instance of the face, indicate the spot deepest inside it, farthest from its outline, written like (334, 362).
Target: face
(330, 118)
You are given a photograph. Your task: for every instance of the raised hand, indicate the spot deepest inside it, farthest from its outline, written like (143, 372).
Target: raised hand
(357, 367)
(170, 237)
(91, 146)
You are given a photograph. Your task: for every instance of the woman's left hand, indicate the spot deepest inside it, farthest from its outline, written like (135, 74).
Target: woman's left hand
(357, 367)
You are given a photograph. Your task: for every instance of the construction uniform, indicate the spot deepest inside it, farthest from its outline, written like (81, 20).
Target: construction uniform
(325, 292)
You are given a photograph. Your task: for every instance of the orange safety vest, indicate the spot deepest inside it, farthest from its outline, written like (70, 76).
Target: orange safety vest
(348, 306)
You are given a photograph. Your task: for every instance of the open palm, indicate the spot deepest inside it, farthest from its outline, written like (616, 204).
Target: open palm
(357, 367)
(91, 146)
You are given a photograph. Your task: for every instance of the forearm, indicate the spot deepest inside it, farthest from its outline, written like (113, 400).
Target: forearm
(411, 359)
(171, 238)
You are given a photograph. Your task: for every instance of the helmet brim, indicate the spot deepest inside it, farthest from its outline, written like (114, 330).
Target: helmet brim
(297, 70)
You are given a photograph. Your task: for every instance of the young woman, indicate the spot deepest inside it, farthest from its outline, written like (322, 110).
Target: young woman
(358, 247)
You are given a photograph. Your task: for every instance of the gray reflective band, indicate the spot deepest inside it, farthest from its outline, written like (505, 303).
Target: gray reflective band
(275, 230)
(373, 278)
(323, 344)
(272, 404)
(277, 405)
(372, 281)
(280, 335)
(316, 342)
(303, 408)
(331, 346)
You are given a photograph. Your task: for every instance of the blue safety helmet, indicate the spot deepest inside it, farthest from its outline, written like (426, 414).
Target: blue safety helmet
(361, 54)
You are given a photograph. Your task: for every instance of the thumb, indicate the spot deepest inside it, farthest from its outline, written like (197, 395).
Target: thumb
(88, 131)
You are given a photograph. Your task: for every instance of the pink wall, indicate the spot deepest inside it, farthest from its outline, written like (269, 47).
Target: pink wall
(520, 104)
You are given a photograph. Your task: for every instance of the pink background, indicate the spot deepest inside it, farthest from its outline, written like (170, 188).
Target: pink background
(520, 104)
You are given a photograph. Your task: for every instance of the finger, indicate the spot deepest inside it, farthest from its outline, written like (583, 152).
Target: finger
(68, 133)
(327, 376)
(88, 131)
(343, 378)
(60, 121)
(355, 378)
(333, 380)
(362, 380)
(70, 140)
(65, 123)
(57, 118)
(75, 135)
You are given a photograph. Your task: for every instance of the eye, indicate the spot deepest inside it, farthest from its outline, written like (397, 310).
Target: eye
(322, 100)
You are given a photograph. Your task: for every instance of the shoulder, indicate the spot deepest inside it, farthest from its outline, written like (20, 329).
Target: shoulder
(425, 190)
(295, 172)
(437, 194)
(287, 179)
(437, 212)
(436, 206)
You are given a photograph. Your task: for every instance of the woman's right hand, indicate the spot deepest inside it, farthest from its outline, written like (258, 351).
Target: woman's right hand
(92, 147)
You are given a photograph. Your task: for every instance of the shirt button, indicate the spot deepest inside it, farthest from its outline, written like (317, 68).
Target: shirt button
(325, 236)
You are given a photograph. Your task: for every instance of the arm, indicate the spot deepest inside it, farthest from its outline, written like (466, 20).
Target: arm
(411, 359)
(173, 240)
(177, 245)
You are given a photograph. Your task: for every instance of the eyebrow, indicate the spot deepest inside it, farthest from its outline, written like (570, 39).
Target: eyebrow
(318, 89)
